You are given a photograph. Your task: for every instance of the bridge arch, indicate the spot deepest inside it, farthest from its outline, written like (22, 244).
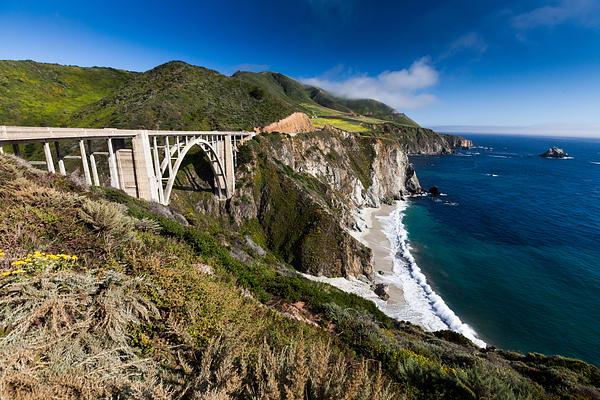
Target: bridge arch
(222, 184)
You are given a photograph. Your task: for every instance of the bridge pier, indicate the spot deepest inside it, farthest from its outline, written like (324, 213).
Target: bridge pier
(228, 158)
(144, 170)
(61, 160)
(112, 165)
(84, 163)
(48, 154)
(148, 169)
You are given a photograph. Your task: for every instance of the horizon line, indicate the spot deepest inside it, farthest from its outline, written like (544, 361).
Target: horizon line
(554, 130)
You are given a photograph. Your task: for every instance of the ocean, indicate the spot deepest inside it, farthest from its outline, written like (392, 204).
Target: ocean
(510, 253)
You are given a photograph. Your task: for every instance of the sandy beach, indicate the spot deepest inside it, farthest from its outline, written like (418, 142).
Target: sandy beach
(375, 238)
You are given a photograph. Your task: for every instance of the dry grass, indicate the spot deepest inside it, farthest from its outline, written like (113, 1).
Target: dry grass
(37, 213)
(65, 335)
(231, 369)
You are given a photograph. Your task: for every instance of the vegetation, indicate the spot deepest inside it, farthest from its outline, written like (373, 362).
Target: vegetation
(106, 296)
(37, 94)
(174, 95)
(151, 308)
(162, 310)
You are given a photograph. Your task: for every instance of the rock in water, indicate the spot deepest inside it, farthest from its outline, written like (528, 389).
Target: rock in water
(554, 152)
(434, 191)
(382, 290)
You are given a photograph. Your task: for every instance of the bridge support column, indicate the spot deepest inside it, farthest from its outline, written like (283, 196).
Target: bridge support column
(84, 163)
(94, 167)
(48, 154)
(112, 166)
(144, 171)
(229, 165)
(61, 160)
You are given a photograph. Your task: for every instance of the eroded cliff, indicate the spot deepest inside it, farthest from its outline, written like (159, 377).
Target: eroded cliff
(302, 192)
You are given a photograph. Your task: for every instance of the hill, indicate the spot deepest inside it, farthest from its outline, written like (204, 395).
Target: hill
(105, 296)
(39, 94)
(327, 108)
(174, 95)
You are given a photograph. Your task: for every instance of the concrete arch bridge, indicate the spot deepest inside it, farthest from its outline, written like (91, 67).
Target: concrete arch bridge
(143, 163)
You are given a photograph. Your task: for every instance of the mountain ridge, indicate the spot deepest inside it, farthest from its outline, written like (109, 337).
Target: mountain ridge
(173, 95)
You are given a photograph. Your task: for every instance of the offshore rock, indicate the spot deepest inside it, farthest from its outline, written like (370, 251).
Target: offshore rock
(434, 191)
(554, 152)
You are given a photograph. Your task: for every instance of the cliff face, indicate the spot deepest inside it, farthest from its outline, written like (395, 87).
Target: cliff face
(304, 190)
(420, 140)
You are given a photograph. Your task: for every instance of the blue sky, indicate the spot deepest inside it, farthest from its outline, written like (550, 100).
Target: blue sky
(493, 65)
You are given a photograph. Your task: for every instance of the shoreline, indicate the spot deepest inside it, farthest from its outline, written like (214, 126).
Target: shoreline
(375, 238)
(410, 296)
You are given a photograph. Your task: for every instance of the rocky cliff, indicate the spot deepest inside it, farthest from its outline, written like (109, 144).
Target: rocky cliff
(302, 192)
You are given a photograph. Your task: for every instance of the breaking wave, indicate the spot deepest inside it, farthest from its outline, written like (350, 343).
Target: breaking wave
(430, 309)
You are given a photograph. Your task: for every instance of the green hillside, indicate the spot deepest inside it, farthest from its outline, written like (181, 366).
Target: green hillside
(177, 95)
(324, 106)
(40, 94)
(174, 95)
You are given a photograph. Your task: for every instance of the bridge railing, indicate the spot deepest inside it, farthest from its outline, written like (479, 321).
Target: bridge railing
(143, 165)
(13, 134)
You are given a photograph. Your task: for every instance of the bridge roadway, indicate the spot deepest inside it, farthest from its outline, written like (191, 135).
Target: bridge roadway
(143, 163)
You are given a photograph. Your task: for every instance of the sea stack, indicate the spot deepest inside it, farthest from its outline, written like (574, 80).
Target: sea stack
(554, 152)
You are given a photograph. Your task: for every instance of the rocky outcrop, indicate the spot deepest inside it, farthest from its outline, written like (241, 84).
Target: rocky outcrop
(458, 142)
(554, 152)
(295, 123)
(421, 140)
(304, 190)
(382, 290)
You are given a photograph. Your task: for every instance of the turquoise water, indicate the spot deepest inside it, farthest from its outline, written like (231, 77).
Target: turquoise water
(513, 247)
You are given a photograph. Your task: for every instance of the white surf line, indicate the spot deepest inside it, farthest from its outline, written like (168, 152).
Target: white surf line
(423, 306)
(435, 313)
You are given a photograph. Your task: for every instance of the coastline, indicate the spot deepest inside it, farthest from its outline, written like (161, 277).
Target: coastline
(410, 296)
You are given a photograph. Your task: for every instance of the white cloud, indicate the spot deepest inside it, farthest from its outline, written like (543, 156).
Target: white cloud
(582, 12)
(405, 88)
(471, 42)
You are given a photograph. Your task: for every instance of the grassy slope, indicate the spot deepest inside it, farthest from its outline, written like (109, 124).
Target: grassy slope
(342, 113)
(33, 93)
(175, 95)
(141, 315)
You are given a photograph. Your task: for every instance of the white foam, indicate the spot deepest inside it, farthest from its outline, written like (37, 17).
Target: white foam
(423, 306)
(496, 156)
(493, 175)
(430, 309)
(595, 162)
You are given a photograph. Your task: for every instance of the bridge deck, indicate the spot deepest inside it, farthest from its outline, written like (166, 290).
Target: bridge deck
(16, 134)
